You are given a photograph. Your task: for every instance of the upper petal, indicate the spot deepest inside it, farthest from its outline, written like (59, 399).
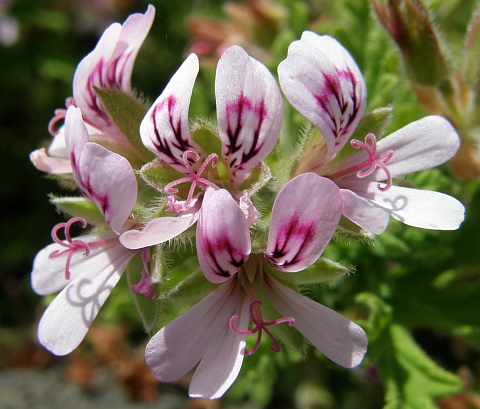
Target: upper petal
(322, 81)
(221, 364)
(305, 215)
(338, 338)
(165, 130)
(223, 237)
(364, 213)
(105, 177)
(249, 110)
(68, 318)
(110, 65)
(177, 347)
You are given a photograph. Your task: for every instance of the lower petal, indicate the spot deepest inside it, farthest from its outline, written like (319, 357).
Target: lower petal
(420, 208)
(221, 364)
(364, 213)
(178, 346)
(68, 318)
(338, 338)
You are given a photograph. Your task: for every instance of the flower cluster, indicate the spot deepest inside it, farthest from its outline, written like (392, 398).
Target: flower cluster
(149, 177)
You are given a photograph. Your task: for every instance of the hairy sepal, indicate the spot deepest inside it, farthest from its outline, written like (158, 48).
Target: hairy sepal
(323, 270)
(79, 207)
(349, 232)
(149, 309)
(126, 113)
(158, 174)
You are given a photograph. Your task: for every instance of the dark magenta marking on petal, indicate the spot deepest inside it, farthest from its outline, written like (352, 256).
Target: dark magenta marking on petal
(162, 144)
(222, 246)
(288, 237)
(331, 88)
(239, 108)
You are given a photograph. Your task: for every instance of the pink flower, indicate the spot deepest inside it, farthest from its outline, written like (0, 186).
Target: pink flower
(304, 217)
(109, 65)
(321, 80)
(249, 112)
(86, 268)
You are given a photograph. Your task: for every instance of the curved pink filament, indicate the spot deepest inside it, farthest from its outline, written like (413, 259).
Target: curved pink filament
(374, 161)
(195, 178)
(260, 325)
(72, 246)
(59, 114)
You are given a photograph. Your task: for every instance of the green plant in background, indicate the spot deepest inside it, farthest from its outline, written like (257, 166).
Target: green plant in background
(413, 290)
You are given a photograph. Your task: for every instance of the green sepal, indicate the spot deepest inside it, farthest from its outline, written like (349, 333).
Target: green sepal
(206, 135)
(310, 153)
(190, 290)
(348, 231)
(65, 180)
(126, 113)
(158, 174)
(323, 270)
(412, 380)
(259, 176)
(159, 265)
(150, 310)
(471, 62)
(374, 122)
(79, 207)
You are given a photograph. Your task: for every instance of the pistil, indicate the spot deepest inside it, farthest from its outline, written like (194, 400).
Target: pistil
(195, 177)
(260, 325)
(373, 162)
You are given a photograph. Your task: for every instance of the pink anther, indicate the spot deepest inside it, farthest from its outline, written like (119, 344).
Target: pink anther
(195, 178)
(260, 325)
(72, 246)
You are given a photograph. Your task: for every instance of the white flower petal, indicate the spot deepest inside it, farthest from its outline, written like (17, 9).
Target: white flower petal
(48, 274)
(338, 338)
(249, 110)
(223, 237)
(305, 215)
(157, 231)
(68, 318)
(110, 65)
(322, 81)
(178, 346)
(422, 144)
(364, 213)
(221, 364)
(165, 130)
(419, 208)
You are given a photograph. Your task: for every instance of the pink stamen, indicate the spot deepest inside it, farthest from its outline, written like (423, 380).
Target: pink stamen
(374, 161)
(260, 325)
(72, 245)
(195, 178)
(59, 114)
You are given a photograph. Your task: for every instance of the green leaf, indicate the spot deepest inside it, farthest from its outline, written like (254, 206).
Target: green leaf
(79, 207)
(380, 314)
(148, 309)
(127, 113)
(412, 380)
